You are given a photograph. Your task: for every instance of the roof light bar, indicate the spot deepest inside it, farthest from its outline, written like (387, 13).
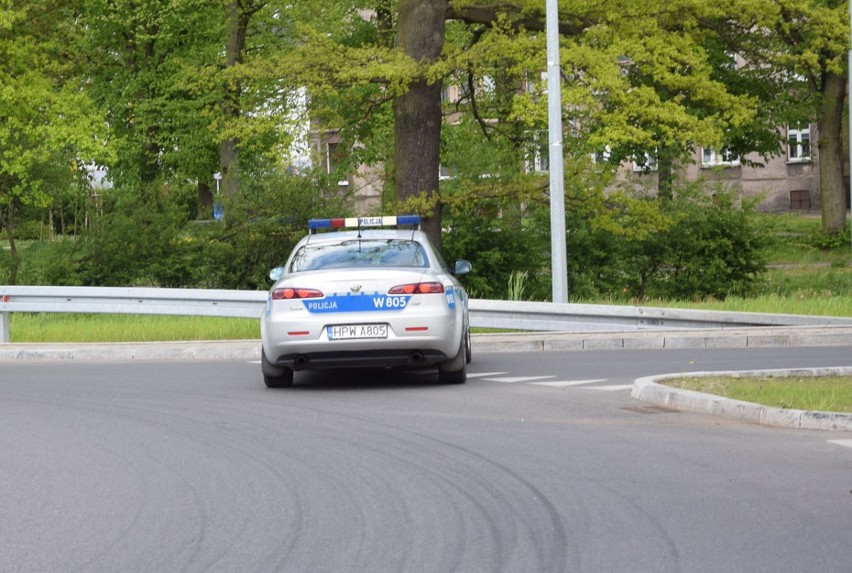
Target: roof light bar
(361, 222)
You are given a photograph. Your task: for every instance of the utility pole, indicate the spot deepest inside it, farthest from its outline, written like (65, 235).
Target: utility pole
(558, 251)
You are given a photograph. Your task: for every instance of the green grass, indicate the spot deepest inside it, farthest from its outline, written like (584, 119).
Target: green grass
(827, 394)
(803, 302)
(26, 327)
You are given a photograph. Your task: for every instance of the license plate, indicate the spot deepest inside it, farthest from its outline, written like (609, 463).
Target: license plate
(356, 331)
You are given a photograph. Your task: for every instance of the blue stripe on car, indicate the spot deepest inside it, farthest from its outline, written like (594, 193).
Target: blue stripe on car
(357, 303)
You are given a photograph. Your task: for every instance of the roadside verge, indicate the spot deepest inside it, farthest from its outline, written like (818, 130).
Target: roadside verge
(653, 389)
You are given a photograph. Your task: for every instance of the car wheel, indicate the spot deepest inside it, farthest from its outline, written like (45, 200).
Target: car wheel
(275, 376)
(468, 354)
(454, 371)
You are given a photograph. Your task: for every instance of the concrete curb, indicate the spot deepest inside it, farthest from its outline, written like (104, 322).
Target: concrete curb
(745, 337)
(751, 337)
(649, 389)
(121, 352)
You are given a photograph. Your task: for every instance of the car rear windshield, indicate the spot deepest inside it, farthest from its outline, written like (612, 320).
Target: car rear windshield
(359, 253)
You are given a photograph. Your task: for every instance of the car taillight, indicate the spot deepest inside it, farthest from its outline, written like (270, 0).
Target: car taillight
(417, 288)
(288, 293)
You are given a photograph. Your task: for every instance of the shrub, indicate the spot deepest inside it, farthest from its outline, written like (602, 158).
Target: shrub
(828, 241)
(631, 245)
(498, 248)
(132, 239)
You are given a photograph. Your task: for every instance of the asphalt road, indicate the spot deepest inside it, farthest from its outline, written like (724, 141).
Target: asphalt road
(541, 462)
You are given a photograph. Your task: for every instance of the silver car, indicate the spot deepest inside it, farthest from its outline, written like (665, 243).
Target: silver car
(371, 297)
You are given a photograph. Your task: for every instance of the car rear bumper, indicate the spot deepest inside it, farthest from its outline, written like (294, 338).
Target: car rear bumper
(392, 358)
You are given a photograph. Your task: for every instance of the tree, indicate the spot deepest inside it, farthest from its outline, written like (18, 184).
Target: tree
(813, 42)
(638, 83)
(143, 58)
(47, 122)
(417, 112)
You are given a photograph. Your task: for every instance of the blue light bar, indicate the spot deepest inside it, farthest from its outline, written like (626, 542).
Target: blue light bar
(408, 220)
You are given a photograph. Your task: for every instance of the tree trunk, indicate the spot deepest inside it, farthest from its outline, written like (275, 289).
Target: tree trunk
(6, 221)
(205, 201)
(665, 172)
(832, 190)
(237, 16)
(417, 113)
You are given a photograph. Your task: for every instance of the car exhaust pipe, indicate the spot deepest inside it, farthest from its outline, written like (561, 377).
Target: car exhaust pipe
(415, 358)
(301, 362)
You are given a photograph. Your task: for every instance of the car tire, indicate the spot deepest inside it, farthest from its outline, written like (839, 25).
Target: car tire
(468, 354)
(275, 376)
(454, 371)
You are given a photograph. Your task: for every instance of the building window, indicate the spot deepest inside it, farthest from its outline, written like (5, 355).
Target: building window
(645, 163)
(719, 157)
(602, 155)
(799, 142)
(800, 199)
(538, 157)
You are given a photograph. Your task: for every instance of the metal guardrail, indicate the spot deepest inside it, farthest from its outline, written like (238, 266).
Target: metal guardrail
(553, 317)
(541, 316)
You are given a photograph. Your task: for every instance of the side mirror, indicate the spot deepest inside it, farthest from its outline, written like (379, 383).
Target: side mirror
(276, 273)
(462, 267)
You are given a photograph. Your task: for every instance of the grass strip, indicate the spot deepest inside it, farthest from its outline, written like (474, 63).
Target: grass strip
(824, 393)
(59, 327)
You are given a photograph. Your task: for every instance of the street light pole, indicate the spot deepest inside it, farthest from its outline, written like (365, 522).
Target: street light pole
(558, 251)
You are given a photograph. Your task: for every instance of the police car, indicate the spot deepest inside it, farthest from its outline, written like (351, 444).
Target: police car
(365, 292)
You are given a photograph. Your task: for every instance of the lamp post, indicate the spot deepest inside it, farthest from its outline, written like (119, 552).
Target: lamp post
(558, 251)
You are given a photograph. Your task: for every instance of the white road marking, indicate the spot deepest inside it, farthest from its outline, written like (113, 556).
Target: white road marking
(569, 383)
(613, 388)
(513, 379)
(253, 362)
(844, 443)
(484, 374)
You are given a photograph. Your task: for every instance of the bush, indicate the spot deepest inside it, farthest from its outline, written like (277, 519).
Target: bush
(826, 241)
(630, 245)
(131, 241)
(49, 263)
(498, 248)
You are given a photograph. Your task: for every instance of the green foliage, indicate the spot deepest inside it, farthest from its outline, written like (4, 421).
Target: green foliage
(694, 246)
(134, 242)
(157, 242)
(498, 247)
(5, 266)
(516, 289)
(263, 224)
(49, 263)
(828, 240)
